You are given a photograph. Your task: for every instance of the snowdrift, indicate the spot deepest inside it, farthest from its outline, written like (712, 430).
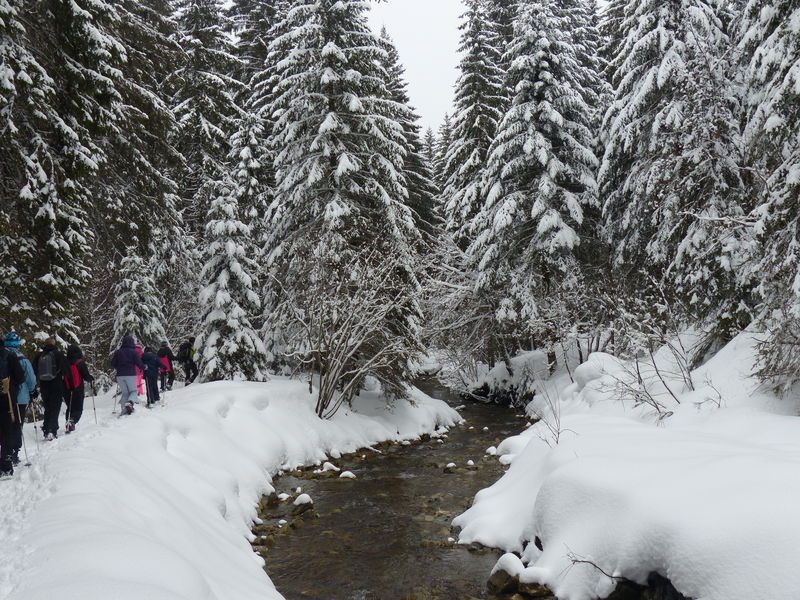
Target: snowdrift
(707, 496)
(159, 505)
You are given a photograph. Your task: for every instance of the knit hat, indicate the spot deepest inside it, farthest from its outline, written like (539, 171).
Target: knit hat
(12, 340)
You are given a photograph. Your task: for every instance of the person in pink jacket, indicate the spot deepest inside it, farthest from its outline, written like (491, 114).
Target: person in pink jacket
(139, 372)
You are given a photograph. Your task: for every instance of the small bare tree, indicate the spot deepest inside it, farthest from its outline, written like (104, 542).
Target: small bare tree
(349, 322)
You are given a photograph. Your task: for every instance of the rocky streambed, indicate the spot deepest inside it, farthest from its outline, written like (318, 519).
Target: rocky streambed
(386, 535)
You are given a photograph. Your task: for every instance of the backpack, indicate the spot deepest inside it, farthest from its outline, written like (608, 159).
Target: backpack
(166, 366)
(48, 370)
(73, 379)
(183, 353)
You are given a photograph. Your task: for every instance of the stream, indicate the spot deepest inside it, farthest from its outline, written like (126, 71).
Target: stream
(384, 535)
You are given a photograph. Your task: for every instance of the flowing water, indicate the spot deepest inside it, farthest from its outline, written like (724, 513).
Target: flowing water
(384, 535)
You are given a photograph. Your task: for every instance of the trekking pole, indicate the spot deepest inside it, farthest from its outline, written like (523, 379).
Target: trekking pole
(114, 400)
(35, 428)
(94, 406)
(22, 435)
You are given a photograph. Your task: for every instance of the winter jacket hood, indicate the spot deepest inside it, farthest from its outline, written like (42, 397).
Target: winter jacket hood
(128, 342)
(74, 353)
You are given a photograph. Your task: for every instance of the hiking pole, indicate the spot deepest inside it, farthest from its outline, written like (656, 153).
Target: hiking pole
(22, 435)
(114, 400)
(94, 406)
(35, 428)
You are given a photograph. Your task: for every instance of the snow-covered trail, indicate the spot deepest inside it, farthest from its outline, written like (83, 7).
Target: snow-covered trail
(159, 504)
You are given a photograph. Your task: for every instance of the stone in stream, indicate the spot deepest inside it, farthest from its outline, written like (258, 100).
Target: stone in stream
(450, 468)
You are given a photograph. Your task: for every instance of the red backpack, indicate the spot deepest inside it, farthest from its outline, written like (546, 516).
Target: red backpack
(73, 379)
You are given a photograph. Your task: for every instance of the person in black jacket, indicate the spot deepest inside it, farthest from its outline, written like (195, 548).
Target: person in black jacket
(186, 356)
(50, 367)
(12, 377)
(152, 366)
(77, 373)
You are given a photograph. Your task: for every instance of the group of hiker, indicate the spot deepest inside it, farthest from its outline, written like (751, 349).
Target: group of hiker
(135, 365)
(60, 378)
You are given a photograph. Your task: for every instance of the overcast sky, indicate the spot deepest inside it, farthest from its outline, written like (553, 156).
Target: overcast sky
(426, 35)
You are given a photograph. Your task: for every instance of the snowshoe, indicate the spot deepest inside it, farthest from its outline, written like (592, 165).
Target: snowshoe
(128, 408)
(69, 427)
(49, 437)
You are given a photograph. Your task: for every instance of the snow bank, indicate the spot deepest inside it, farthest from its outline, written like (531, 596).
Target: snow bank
(159, 505)
(707, 497)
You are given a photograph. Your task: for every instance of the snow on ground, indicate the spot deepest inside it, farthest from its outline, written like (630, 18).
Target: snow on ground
(159, 505)
(708, 496)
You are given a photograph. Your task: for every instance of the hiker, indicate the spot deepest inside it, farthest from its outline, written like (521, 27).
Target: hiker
(77, 373)
(139, 372)
(167, 359)
(26, 391)
(186, 356)
(152, 367)
(11, 377)
(50, 367)
(125, 361)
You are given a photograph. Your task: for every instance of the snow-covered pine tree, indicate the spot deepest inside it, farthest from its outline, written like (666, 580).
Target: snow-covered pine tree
(539, 176)
(203, 98)
(670, 173)
(247, 159)
(25, 96)
(479, 100)
(254, 23)
(771, 48)
(341, 194)
(229, 347)
(137, 302)
(422, 193)
(67, 151)
(502, 15)
(429, 148)
(583, 28)
(443, 139)
(142, 159)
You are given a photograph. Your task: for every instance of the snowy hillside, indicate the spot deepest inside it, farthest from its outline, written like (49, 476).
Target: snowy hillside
(159, 505)
(706, 497)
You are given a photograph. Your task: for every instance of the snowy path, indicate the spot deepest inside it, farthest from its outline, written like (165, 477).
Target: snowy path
(159, 504)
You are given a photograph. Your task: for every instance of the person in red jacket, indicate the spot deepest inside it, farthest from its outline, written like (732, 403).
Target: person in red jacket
(74, 391)
(167, 359)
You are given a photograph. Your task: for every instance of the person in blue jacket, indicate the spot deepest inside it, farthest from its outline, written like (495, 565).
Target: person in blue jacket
(24, 391)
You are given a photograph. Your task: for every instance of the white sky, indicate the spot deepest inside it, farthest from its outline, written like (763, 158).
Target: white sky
(426, 35)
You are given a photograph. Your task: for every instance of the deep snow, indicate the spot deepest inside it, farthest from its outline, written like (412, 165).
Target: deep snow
(708, 497)
(159, 505)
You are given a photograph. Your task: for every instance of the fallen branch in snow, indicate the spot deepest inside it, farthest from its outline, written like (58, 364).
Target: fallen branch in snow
(577, 560)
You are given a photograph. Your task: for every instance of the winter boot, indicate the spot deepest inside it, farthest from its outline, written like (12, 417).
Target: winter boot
(69, 427)
(15, 458)
(49, 437)
(128, 409)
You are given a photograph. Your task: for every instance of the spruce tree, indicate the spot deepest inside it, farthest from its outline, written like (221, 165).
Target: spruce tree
(479, 100)
(444, 138)
(203, 98)
(670, 174)
(229, 346)
(770, 41)
(540, 172)
(341, 194)
(137, 303)
(419, 178)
